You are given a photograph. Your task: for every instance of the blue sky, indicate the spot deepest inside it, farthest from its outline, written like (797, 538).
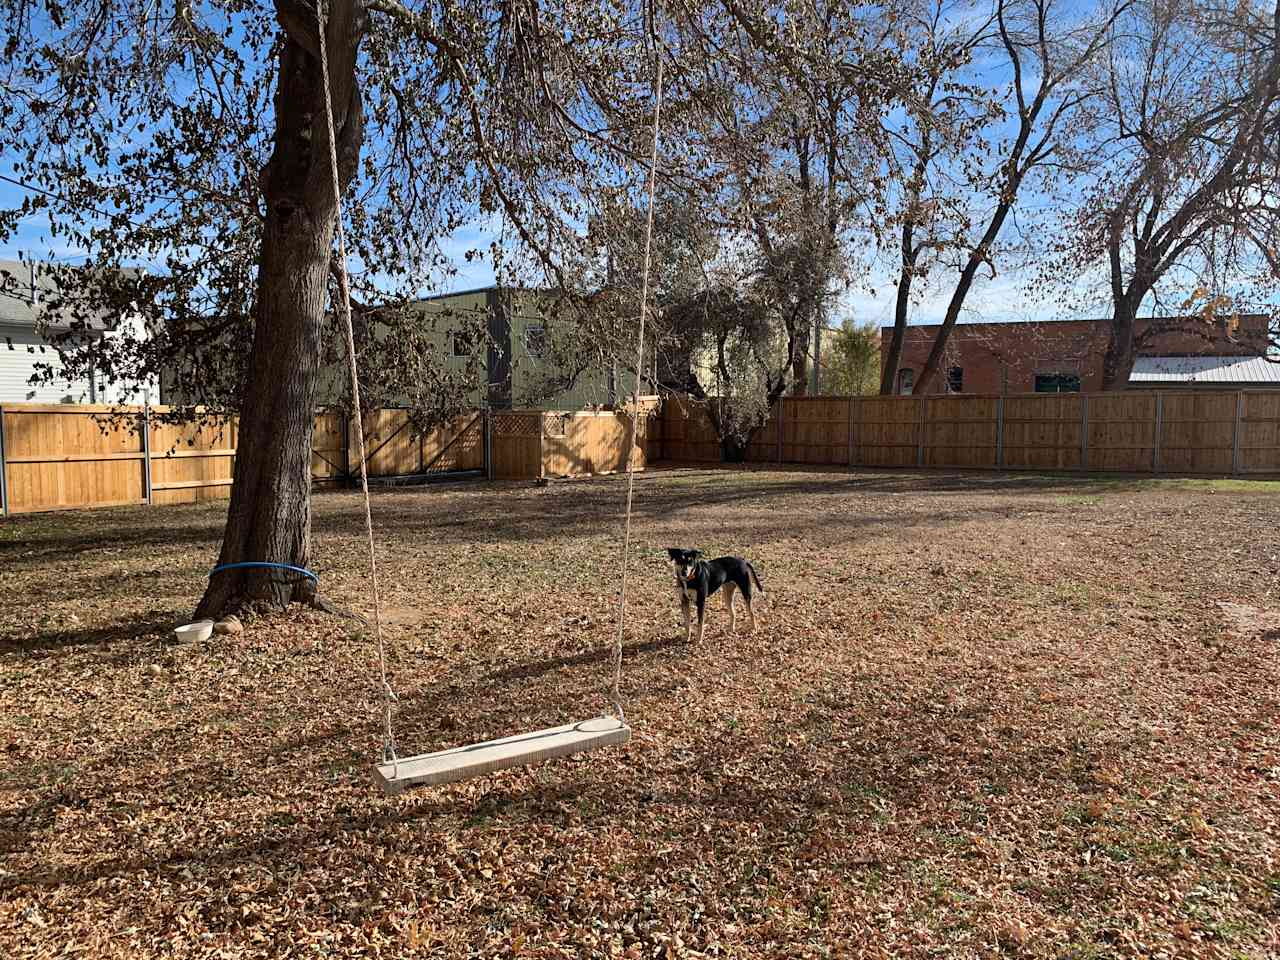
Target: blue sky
(1008, 297)
(872, 299)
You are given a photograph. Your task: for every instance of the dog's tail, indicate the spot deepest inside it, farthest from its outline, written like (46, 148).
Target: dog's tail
(755, 576)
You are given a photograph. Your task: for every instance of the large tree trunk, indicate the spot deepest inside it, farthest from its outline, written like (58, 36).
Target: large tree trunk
(269, 518)
(1117, 364)
(910, 255)
(889, 373)
(979, 255)
(732, 451)
(800, 375)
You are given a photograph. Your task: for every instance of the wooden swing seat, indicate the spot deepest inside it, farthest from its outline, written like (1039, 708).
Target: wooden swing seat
(478, 759)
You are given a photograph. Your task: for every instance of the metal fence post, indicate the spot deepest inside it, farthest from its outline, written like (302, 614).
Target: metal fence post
(1155, 445)
(852, 401)
(1235, 434)
(1084, 431)
(146, 452)
(488, 444)
(778, 421)
(999, 432)
(4, 483)
(920, 434)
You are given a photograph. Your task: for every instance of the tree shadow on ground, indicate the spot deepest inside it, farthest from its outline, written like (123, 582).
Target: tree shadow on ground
(574, 512)
(64, 639)
(896, 766)
(145, 527)
(526, 671)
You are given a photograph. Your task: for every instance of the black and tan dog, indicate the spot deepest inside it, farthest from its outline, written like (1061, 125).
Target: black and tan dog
(698, 579)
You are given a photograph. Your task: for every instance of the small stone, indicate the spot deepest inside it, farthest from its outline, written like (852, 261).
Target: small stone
(154, 669)
(229, 626)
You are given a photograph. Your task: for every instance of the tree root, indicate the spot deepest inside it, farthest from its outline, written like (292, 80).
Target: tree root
(318, 602)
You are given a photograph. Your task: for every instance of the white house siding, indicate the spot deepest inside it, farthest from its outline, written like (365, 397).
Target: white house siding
(20, 352)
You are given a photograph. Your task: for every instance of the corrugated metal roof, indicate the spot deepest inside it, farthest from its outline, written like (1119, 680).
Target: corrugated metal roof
(1205, 370)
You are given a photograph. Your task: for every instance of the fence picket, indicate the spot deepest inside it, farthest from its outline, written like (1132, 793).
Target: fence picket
(1108, 431)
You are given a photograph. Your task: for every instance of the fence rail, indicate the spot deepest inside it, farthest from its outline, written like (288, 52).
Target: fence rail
(1210, 432)
(65, 457)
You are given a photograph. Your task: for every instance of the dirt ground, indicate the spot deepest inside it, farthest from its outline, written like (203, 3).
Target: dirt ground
(982, 716)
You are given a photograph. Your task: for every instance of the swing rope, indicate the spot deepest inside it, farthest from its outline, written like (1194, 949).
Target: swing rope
(635, 401)
(388, 695)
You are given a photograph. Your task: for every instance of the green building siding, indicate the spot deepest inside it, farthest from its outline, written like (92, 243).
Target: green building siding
(515, 374)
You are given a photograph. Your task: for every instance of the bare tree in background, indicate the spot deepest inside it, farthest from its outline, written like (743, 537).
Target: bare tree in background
(1180, 169)
(935, 150)
(794, 138)
(1042, 46)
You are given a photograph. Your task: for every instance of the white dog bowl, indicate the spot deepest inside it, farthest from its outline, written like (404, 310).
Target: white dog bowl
(194, 632)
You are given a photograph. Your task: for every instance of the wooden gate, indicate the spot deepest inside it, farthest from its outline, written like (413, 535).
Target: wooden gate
(396, 453)
(515, 441)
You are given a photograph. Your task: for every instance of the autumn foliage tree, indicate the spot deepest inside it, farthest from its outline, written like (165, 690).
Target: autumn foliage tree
(192, 139)
(851, 363)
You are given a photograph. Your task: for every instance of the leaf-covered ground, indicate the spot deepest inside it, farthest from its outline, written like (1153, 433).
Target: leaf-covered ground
(983, 716)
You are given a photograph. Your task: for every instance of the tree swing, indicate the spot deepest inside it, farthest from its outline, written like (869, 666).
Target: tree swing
(395, 774)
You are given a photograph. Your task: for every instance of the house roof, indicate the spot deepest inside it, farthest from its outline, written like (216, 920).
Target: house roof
(970, 325)
(1232, 370)
(24, 284)
(20, 285)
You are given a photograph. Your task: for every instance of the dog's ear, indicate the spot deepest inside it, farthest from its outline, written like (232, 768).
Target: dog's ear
(675, 553)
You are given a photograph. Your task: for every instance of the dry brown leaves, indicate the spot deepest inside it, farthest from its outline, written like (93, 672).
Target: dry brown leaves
(982, 717)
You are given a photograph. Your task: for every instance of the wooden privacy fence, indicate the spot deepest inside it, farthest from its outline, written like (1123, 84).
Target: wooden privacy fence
(1211, 432)
(62, 456)
(539, 443)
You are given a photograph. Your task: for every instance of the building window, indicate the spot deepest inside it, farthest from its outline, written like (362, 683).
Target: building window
(955, 380)
(463, 343)
(535, 341)
(1057, 383)
(906, 380)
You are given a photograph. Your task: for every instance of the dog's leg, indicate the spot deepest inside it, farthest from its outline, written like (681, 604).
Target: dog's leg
(702, 614)
(751, 611)
(728, 602)
(684, 606)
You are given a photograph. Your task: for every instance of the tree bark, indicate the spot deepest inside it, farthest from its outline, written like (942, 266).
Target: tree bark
(906, 274)
(269, 517)
(731, 451)
(1117, 363)
(800, 376)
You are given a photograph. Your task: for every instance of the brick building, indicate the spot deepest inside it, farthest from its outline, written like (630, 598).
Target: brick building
(1058, 356)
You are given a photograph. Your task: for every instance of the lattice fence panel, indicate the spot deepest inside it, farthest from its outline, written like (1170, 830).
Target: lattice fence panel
(516, 425)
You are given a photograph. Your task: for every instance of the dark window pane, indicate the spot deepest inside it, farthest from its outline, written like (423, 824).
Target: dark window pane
(1057, 383)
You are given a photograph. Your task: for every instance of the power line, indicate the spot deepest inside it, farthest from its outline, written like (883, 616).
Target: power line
(73, 204)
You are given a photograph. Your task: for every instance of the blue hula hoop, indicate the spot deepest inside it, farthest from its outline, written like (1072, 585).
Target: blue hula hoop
(276, 566)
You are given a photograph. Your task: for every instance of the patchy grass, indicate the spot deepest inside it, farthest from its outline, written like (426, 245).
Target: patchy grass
(983, 716)
(1204, 484)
